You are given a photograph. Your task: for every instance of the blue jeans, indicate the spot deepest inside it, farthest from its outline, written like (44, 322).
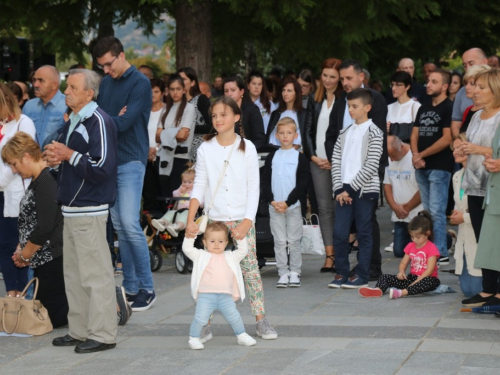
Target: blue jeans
(401, 238)
(470, 285)
(207, 303)
(126, 221)
(433, 186)
(360, 210)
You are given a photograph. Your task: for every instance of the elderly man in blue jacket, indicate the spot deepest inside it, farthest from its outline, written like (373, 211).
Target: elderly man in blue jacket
(86, 156)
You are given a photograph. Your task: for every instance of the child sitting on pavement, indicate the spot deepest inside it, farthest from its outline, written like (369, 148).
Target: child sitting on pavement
(179, 215)
(422, 254)
(216, 282)
(284, 181)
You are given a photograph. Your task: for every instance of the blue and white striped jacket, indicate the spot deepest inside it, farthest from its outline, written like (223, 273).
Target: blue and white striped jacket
(87, 182)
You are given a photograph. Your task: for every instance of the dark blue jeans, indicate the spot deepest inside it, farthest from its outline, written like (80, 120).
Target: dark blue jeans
(401, 238)
(360, 210)
(15, 278)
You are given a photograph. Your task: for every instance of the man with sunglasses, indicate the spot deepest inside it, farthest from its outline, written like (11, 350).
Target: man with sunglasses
(125, 94)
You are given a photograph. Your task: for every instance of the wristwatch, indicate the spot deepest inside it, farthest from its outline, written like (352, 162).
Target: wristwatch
(24, 259)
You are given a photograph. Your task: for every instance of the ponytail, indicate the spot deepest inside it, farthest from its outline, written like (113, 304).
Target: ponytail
(422, 223)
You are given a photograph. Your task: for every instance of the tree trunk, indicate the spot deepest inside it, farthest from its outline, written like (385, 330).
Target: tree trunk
(193, 40)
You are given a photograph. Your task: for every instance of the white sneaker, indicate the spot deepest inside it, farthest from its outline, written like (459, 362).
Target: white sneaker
(390, 248)
(158, 225)
(195, 343)
(246, 340)
(283, 281)
(294, 280)
(172, 229)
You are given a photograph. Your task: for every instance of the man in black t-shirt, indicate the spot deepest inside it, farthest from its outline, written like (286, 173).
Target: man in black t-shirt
(432, 156)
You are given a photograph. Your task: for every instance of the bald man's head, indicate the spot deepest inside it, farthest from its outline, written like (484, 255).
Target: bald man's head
(473, 56)
(396, 149)
(46, 82)
(407, 65)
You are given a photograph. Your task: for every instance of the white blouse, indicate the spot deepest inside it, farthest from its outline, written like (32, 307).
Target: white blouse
(238, 194)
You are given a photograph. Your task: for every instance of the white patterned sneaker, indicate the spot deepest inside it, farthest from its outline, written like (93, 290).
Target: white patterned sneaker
(294, 280)
(283, 281)
(246, 340)
(195, 343)
(265, 330)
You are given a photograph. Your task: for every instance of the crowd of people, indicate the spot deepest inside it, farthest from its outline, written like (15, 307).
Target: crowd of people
(78, 167)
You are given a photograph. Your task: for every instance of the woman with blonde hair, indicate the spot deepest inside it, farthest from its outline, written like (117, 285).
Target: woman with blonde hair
(40, 225)
(12, 188)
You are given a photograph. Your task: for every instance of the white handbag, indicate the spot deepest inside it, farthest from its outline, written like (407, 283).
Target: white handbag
(312, 241)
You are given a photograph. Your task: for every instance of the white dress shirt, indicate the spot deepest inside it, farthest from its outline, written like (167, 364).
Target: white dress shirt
(351, 153)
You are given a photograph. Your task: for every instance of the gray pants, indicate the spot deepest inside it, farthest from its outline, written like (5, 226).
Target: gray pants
(287, 227)
(89, 279)
(322, 182)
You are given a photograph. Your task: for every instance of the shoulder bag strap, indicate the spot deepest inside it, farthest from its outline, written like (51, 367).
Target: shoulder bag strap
(226, 162)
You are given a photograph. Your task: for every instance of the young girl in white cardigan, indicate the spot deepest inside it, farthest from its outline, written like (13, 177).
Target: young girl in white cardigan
(216, 282)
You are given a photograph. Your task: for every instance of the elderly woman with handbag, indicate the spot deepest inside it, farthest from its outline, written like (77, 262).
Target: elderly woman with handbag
(40, 225)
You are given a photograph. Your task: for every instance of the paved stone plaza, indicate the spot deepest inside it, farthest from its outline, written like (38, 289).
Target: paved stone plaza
(322, 331)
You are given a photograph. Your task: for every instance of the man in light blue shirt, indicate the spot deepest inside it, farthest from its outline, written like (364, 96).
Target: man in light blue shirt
(49, 106)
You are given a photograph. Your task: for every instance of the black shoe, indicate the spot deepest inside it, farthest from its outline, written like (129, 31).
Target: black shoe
(497, 314)
(329, 269)
(493, 301)
(374, 276)
(130, 298)
(66, 341)
(124, 310)
(92, 346)
(477, 300)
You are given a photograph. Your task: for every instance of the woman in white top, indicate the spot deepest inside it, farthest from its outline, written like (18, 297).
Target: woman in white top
(151, 183)
(401, 114)
(258, 93)
(175, 134)
(317, 121)
(12, 188)
(236, 197)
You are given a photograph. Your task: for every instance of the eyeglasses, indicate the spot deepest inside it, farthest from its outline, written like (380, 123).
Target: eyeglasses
(107, 65)
(399, 84)
(305, 85)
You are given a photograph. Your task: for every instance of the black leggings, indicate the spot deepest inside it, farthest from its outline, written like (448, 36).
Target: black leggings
(425, 285)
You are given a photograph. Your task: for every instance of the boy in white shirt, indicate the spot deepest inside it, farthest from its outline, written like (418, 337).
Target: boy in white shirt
(356, 187)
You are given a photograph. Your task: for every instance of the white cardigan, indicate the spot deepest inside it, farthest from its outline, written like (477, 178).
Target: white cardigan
(466, 238)
(238, 195)
(201, 258)
(12, 184)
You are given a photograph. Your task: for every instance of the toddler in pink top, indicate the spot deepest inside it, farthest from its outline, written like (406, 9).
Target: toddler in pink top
(422, 255)
(216, 282)
(175, 220)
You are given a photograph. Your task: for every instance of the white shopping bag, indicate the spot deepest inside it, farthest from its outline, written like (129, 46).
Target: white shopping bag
(312, 241)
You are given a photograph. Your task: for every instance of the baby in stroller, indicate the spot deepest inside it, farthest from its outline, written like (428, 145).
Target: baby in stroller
(174, 221)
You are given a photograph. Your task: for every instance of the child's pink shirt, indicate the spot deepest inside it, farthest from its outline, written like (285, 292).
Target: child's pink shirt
(218, 277)
(184, 203)
(420, 257)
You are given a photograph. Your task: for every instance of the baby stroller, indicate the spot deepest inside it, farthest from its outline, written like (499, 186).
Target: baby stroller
(159, 242)
(263, 236)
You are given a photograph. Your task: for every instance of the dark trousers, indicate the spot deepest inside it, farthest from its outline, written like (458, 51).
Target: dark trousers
(15, 278)
(491, 281)
(51, 292)
(401, 238)
(361, 209)
(427, 284)
(476, 212)
(151, 187)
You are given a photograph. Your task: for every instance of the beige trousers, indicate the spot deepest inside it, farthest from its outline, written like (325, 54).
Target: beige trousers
(89, 279)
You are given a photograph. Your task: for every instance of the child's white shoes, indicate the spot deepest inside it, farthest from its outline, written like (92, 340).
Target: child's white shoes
(246, 340)
(195, 343)
(159, 224)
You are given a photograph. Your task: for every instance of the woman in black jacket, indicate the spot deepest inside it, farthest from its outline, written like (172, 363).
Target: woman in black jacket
(253, 125)
(317, 121)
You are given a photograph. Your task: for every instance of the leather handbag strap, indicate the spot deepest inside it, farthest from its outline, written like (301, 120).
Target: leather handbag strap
(226, 163)
(33, 280)
(17, 322)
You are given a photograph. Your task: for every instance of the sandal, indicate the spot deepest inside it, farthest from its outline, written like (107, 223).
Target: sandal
(329, 269)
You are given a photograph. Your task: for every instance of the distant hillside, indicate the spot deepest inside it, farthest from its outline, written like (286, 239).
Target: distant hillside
(131, 36)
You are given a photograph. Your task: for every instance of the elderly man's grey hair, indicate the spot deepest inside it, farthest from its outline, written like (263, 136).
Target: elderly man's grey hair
(91, 80)
(395, 142)
(56, 77)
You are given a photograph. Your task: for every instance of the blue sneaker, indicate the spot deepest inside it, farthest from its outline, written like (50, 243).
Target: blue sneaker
(354, 282)
(337, 281)
(130, 298)
(143, 300)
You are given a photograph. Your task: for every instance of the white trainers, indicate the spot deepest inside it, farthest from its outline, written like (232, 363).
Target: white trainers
(283, 281)
(206, 334)
(195, 343)
(390, 248)
(294, 280)
(173, 230)
(246, 340)
(265, 330)
(158, 224)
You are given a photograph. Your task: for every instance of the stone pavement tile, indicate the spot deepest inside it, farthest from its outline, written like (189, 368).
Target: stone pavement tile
(464, 334)
(433, 363)
(451, 346)
(482, 361)
(467, 370)
(383, 345)
(484, 323)
(354, 332)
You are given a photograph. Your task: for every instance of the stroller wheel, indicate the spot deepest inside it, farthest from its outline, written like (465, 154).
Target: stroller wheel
(156, 259)
(181, 262)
